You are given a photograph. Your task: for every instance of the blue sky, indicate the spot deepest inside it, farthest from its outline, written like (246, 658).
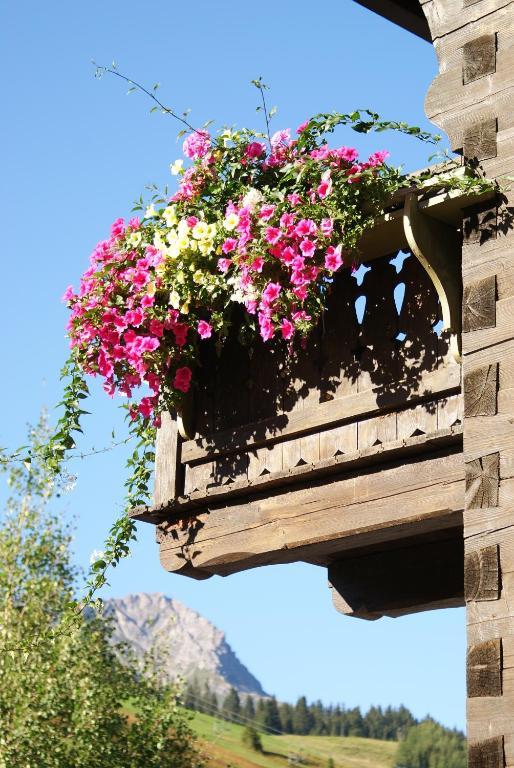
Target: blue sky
(76, 153)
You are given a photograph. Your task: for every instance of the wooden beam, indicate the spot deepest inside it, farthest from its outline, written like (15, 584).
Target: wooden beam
(403, 579)
(321, 519)
(406, 13)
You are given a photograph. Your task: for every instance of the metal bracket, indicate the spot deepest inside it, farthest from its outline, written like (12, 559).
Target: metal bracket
(436, 246)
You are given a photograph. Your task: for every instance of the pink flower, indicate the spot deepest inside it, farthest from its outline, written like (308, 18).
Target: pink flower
(305, 227)
(146, 407)
(229, 245)
(255, 149)
(273, 235)
(307, 247)
(182, 380)
(266, 212)
(68, 295)
(180, 330)
(134, 317)
(257, 264)
(271, 293)
(302, 127)
(286, 328)
(333, 258)
(117, 229)
(224, 264)
(327, 226)
(156, 327)
(204, 329)
(196, 145)
(325, 188)
(266, 326)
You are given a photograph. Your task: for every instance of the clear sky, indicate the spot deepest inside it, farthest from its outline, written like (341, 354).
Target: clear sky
(75, 153)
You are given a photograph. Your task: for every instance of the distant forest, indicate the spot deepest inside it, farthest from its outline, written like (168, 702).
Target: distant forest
(270, 716)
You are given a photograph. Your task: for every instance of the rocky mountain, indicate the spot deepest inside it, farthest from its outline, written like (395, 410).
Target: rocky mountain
(193, 647)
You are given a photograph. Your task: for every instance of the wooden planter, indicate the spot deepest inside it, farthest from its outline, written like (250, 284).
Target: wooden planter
(345, 450)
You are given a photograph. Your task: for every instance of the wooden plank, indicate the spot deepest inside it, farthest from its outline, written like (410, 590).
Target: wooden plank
(482, 574)
(479, 305)
(480, 391)
(444, 380)
(169, 481)
(484, 669)
(478, 58)
(330, 514)
(400, 580)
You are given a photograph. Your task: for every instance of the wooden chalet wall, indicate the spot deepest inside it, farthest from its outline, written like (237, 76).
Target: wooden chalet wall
(472, 100)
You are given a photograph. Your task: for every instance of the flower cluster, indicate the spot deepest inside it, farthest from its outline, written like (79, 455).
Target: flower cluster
(261, 224)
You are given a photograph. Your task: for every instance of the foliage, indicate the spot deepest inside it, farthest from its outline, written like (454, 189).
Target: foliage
(251, 738)
(429, 745)
(61, 703)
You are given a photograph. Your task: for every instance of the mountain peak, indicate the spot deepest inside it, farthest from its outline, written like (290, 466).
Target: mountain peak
(193, 647)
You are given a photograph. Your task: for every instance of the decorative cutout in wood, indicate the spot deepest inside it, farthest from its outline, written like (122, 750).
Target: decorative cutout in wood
(479, 305)
(482, 481)
(480, 391)
(480, 141)
(484, 669)
(482, 574)
(479, 58)
(487, 754)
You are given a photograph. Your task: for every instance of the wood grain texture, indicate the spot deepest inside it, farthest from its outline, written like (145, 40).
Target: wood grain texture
(482, 481)
(487, 754)
(479, 142)
(400, 580)
(482, 574)
(478, 58)
(479, 305)
(484, 669)
(481, 391)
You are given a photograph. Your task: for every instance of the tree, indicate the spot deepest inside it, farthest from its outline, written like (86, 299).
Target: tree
(302, 718)
(251, 738)
(430, 745)
(63, 689)
(231, 705)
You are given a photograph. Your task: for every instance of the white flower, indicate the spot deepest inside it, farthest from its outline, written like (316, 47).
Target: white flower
(150, 212)
(252, 199)
(176, 167)
(231, 222)
(96, 555)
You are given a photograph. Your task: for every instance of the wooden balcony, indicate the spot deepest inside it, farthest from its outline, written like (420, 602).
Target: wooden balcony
(345, 450)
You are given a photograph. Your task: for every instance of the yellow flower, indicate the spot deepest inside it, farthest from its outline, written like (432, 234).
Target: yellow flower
(170, 216)
(231, 222)
(134, 239)
(200, 230)
(205, 247)
(176, 167)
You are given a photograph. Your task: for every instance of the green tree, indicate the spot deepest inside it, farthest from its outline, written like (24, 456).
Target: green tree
(63, 692)
(430, 745)
(231, 705)
(251, 738)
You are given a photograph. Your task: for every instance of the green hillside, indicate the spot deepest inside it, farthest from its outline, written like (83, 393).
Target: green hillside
(222, 746)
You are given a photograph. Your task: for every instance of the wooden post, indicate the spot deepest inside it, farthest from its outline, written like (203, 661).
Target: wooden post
(472, 100)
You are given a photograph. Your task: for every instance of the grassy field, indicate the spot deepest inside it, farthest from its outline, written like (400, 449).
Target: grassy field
(222, 746)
